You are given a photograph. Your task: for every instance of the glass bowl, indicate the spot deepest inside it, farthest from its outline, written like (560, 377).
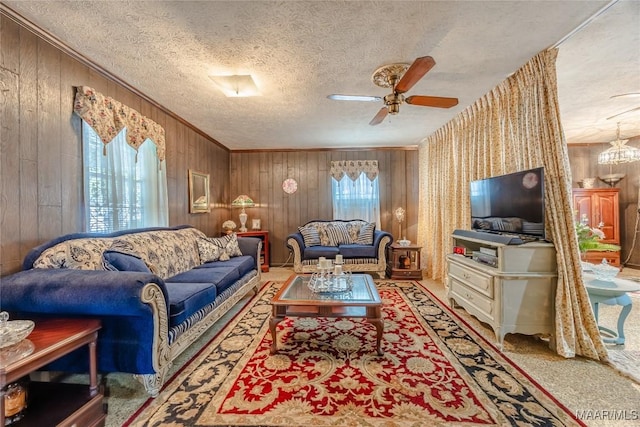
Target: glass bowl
(14, 331)
(604, 271)
(586, 266)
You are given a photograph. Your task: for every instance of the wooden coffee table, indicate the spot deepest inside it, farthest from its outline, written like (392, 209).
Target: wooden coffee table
(295, 299)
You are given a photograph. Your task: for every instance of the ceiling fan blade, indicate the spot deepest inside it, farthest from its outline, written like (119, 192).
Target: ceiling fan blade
(379, 117)
(431, 101)
(416, 71)
(624, 112)
(340, 97)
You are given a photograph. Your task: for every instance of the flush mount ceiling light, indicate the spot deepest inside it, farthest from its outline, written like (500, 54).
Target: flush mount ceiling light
(236, 85)
(619, 152)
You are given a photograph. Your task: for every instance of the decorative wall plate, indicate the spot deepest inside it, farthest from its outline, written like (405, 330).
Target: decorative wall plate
(289, 185)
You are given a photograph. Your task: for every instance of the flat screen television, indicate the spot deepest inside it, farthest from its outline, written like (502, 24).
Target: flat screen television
(510, 204)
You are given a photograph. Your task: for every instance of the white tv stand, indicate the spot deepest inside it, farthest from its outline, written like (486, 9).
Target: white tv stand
(514, 296)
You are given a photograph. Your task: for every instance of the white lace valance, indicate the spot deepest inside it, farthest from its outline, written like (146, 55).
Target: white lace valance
(354, 168)
(108, 117)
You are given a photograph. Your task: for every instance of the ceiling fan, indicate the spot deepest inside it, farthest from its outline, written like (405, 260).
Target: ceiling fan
(400, 77)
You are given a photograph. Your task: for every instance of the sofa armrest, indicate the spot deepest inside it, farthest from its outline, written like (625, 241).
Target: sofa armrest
(251, 246)
(295, 239)
(132, 306)
(77, 292)
(295, 243)
(378, 236)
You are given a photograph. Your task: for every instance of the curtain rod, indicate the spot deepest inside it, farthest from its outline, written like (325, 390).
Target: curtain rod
(584, 24)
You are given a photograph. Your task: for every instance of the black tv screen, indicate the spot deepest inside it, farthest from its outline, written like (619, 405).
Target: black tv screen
(510, 204)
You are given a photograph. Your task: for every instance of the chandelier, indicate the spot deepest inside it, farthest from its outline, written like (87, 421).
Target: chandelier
(619, 152)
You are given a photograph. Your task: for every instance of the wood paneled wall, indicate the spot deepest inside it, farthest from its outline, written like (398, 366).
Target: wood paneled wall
(260, 175)
(41, 195)
(584, 164)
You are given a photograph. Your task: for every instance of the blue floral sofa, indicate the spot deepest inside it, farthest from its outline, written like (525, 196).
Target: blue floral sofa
(363, 248)
(156, 290)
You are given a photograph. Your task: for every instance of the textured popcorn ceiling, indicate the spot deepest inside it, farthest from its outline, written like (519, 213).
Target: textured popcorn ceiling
(301, 51)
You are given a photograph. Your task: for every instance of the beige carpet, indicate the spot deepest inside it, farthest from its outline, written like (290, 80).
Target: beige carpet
(605, 397)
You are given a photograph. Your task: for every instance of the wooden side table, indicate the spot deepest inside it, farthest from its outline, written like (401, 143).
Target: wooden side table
(264, 255)
(403, 262)
(55, 403)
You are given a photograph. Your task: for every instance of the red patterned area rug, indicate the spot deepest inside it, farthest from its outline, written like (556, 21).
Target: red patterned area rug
(435, 371)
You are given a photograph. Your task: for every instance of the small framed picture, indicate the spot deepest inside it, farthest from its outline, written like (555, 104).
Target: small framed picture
(255, 224)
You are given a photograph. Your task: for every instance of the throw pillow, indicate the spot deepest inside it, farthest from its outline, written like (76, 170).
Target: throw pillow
(208, 250)
(338, 234)
(77, 254)
(126, 247)
(321, 228)
(354, 229)
(227, 245)
(366, 234)
(309, 235)
(120, 261)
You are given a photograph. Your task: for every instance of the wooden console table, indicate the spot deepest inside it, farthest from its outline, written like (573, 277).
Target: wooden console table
(55, 403)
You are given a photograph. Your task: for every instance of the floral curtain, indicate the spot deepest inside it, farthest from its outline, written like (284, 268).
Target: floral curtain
(354, 168)
(514, 127)
(108, 117)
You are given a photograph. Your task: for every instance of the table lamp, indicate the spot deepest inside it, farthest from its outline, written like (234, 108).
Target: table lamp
(243, 201)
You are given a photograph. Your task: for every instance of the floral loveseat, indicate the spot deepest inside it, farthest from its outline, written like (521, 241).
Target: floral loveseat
(155, 290)
(363, 248)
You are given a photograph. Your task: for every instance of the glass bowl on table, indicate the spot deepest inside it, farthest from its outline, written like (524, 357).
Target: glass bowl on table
(604, 271)
(13, 331)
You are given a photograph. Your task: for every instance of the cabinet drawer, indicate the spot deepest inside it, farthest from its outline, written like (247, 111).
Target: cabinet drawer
(483, 283)
(474, 302)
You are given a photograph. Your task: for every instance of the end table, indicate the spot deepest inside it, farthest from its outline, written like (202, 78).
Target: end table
(56, 403)
(403, 262)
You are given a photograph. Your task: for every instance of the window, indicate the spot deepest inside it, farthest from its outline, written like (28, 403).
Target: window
(359, 199)
(123, 189)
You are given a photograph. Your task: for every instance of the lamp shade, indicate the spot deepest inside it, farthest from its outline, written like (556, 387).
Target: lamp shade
(243, 201)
